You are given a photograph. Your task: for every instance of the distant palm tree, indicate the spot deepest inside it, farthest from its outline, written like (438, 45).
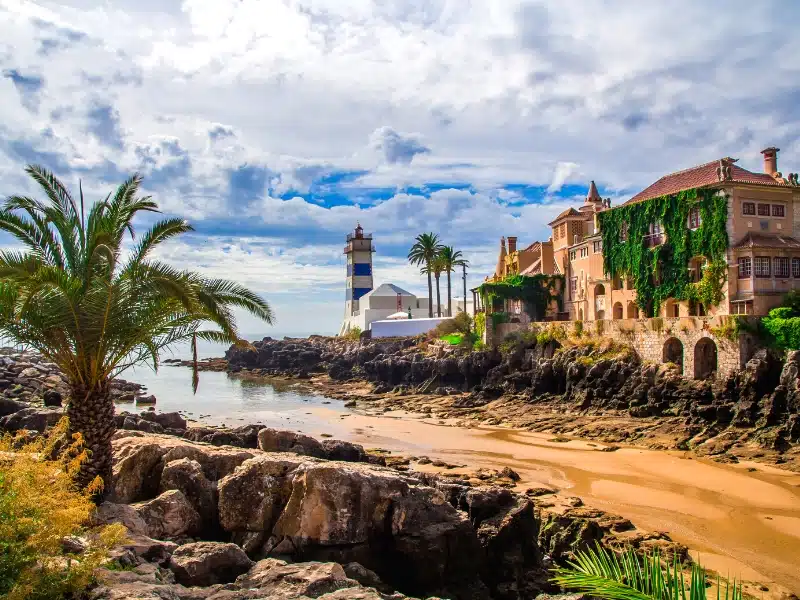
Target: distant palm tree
(452, 258)
(436, 267)
(95, 308)
(425, 249)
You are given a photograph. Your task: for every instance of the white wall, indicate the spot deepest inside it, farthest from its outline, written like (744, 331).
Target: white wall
(403, 327)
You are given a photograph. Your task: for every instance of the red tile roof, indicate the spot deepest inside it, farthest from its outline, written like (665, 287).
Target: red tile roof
(570, 212)
(700, 176)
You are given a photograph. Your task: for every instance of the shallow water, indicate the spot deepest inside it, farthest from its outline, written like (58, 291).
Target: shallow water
(744, 524)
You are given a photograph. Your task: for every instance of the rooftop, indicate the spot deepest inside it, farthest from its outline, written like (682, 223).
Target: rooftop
(700, 176)
(388, 289)
(765, 240)
(570, 212)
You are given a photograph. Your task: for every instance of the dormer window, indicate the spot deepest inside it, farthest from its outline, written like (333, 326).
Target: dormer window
(694, 217)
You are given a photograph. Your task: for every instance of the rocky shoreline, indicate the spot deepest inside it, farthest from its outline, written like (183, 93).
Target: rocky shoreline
(576, 391)
(255, 512)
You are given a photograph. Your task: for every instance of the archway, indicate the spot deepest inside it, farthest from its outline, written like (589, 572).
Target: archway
(599, 290)
(705, 358)
(633, 310)
(673, 352)
(618, 310)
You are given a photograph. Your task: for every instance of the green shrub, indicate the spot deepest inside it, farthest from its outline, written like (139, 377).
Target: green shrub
(354, 334)
(498, 318)
(782, 328)
(454, 339)
(479, 323)
(39, 507)
(461, 324)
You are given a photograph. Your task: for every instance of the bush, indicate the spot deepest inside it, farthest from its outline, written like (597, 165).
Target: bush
(480, 324)
(354, 334)
(783, 328)
(461, 324)
(39, 507)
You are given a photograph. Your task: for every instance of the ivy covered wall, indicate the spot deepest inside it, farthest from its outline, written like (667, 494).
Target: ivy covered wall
(662, 272)
(535, 291)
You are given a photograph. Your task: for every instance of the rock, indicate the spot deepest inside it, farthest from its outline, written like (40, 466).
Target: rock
(346, 451)
(143, 582)
(146, 400)
(29, 373)
(187, 476)
(252, 497)
(207, 563)
(109, 512)
(51, 398)
(148, 549)
(510, 473)
(273, 440)
(169, 515)
(311, 579)
(9, 406)
(32, 419)
(364, 576)
(170, 420)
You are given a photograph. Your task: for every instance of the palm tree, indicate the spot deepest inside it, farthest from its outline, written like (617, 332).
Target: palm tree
(426, 247)
(601, 573)
(94, 307)
(452, 258)
(436, 266)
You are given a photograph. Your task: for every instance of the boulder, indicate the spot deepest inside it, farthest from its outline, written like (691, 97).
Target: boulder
(9, 406)
(187, 476)
(169, 515)
(252, 497)
(273, 440)
(32, 419)
(346, 451)
(51, 398)
(207, 563)
(311, 579)
(109, 512)
(170, 420)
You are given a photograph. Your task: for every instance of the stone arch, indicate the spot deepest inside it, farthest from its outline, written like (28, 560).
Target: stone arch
(618, 310)
(705, 358)
(673, 352)
(599, 290)
(633, 310)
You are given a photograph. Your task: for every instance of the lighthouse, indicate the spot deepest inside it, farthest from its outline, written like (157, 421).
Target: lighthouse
(358, 250)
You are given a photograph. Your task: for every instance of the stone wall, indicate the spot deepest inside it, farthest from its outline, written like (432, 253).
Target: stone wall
(688, 341)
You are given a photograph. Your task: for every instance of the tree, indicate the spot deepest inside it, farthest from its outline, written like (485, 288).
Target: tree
(426, 247)
(436, 266)
(94, 307)
(452, 258)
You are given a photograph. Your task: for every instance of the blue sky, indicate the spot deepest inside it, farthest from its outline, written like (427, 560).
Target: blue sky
(275, 126)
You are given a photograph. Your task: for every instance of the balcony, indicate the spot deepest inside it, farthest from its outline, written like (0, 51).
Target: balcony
(653, 240)
(352, 236)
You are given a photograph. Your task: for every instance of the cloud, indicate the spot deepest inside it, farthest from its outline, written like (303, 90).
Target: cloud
(284, 123)
(564, 170)
(396, 148)
(28, 87)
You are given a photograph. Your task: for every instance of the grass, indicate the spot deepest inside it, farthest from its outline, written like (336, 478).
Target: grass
(454, 339)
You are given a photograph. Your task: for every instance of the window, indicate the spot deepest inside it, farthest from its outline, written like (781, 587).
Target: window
(778, 210)
(655, 228)
(584, 251)
(744, 267)
(763, 210)
(598, 246)
(573, 284)
(796, 267)
(748, 208)
(781, 266)
(573, 255)
(761, 266)
(623, 233)
(694, 217)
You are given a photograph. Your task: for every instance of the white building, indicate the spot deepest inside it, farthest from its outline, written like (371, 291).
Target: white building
(385, 300)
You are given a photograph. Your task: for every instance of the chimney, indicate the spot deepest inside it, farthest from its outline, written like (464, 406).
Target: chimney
(770, 160)
(512, 244)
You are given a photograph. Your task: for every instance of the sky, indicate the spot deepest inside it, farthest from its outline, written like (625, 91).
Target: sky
(274, 126)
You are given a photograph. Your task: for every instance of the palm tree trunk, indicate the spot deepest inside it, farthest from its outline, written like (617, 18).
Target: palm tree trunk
(91, 413)
(438, 301)
(430, 293)
(449, 298)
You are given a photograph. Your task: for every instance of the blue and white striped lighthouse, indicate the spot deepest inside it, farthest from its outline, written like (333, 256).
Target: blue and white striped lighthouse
(359, 251)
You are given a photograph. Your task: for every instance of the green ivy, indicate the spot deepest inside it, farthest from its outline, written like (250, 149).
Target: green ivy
(480, 324)
(535, 291)
(662, 272)
(783, 328)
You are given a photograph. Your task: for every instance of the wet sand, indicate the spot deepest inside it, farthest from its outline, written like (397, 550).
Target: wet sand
(740, 523)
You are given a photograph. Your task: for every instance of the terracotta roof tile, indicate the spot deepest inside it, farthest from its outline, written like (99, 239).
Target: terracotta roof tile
(765, 240)
(700, 176)
(570, 212)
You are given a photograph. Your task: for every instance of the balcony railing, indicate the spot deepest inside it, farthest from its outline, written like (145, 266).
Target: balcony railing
(365, 236)
(653, 240)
